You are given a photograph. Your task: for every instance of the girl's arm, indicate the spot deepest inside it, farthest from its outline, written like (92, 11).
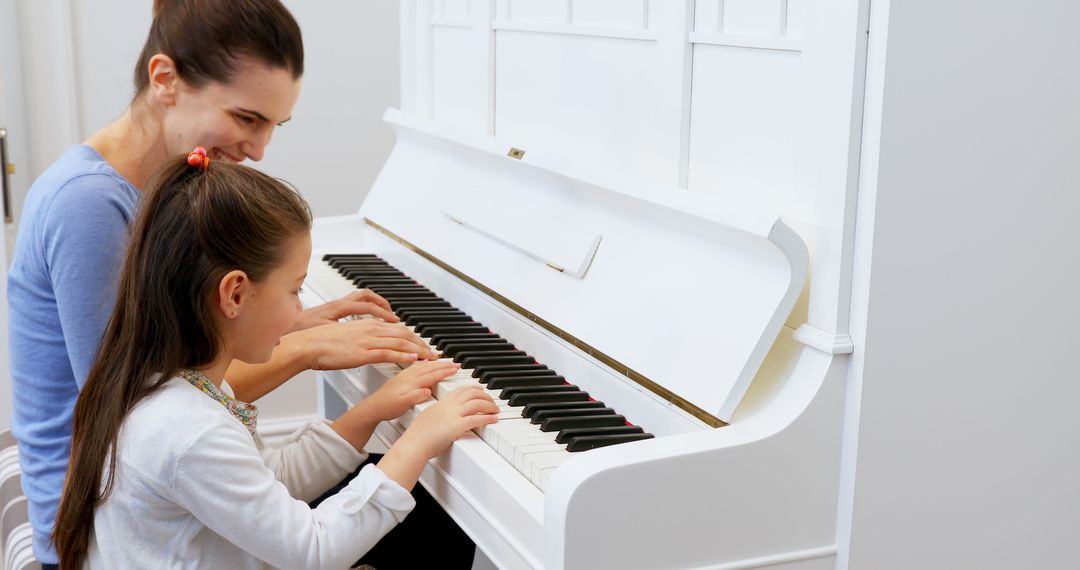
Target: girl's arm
(315, 458)
(222, 481)
(334, 346)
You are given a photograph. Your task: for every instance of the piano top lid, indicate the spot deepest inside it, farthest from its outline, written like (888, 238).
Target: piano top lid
(659, 283)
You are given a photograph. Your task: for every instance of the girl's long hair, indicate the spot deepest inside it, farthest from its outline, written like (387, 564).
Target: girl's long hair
(193, 227)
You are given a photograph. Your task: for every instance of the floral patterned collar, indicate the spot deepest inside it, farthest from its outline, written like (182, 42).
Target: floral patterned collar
(243, 411)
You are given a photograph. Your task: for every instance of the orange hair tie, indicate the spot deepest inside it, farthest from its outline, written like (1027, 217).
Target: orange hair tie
(198, 159)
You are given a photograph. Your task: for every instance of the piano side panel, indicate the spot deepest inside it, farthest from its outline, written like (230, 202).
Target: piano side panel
(764, 489)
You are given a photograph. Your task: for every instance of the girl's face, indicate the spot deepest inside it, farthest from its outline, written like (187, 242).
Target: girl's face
(232, 121)
(270, 307)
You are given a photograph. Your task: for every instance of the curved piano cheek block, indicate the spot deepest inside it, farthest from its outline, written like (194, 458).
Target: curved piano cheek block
(763, 490)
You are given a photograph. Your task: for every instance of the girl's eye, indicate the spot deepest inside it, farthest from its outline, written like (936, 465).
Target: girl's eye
(244, 119)
(299, 291)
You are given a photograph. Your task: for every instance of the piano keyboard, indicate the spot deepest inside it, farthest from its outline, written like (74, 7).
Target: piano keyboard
(543, 417)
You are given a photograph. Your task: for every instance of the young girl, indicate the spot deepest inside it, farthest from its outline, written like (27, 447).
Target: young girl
(167, 469)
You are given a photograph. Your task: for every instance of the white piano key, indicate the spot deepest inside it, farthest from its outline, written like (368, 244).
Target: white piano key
(523, 451)
(535, 464)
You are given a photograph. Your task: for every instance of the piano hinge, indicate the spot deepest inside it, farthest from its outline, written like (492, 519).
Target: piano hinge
(516, 153)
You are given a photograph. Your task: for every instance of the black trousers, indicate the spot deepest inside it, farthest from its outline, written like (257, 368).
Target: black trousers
(427, 538)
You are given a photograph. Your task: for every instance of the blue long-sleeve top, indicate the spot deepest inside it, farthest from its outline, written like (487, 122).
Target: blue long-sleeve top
(61, 290)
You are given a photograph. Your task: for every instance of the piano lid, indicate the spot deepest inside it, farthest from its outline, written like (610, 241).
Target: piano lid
(657, 283)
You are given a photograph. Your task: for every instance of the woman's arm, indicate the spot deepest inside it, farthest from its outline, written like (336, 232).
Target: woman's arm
(334, 346)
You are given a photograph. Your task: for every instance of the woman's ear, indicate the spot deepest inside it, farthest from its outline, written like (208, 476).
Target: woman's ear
(232, 290)
(164, 81)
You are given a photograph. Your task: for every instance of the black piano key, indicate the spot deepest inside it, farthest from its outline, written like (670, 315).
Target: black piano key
(480, 371)
(447, 344)
(500, 382)
(512, 391)
(408, 296)
(587, 442)
(525, 399)
(541, 416)
(352, 271)
(406, 291)
(406, 303)
(410, 311)
(474, 361)
(441, 338)
(339, 256)
(334, 260)
(434, 329)
(532, 409)
(453, 349)
(402, 288)
(369, 282)
(418, 320)
(431, 312)
(567, 434)
(481, 353)
(559, 424)
(380, 276)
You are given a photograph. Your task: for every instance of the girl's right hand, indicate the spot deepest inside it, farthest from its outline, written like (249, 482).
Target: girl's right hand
(434, 430)
(437, 427)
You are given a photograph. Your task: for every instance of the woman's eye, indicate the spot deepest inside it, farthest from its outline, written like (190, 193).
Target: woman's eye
(299, 291)
(245, 119)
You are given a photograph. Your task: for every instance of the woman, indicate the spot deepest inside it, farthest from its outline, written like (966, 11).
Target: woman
(219, 74)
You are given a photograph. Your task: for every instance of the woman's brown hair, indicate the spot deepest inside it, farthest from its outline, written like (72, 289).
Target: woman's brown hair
(208, 39)
(193, 227)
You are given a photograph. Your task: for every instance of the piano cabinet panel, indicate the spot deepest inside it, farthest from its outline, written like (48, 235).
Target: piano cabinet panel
(757, 493)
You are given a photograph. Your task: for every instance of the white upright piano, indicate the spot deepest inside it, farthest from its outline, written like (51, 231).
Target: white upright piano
(676, 317)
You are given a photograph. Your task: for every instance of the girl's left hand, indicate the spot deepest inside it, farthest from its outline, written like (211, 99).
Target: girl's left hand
(362, 302)
(408, 388)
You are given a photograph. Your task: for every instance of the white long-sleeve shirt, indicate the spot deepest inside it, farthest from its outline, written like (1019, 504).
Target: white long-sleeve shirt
(193, 489)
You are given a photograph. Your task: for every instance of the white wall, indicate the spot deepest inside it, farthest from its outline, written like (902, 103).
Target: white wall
(968, 439)
(79, 64)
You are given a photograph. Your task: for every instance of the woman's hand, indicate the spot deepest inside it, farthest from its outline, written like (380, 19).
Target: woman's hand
(351, 344)
(406, 389)
(362, 302)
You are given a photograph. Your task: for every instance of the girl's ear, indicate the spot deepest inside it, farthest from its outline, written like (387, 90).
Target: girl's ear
(231, 293)
(164, 81)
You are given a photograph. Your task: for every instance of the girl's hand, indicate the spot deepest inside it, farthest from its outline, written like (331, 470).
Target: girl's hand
(362, 302)
(351, 344)
(406, 389)
(438, 426)
(434, 430)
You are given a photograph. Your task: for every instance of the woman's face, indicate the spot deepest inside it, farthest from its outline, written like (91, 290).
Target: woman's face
(271, 306)
(232, 121)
